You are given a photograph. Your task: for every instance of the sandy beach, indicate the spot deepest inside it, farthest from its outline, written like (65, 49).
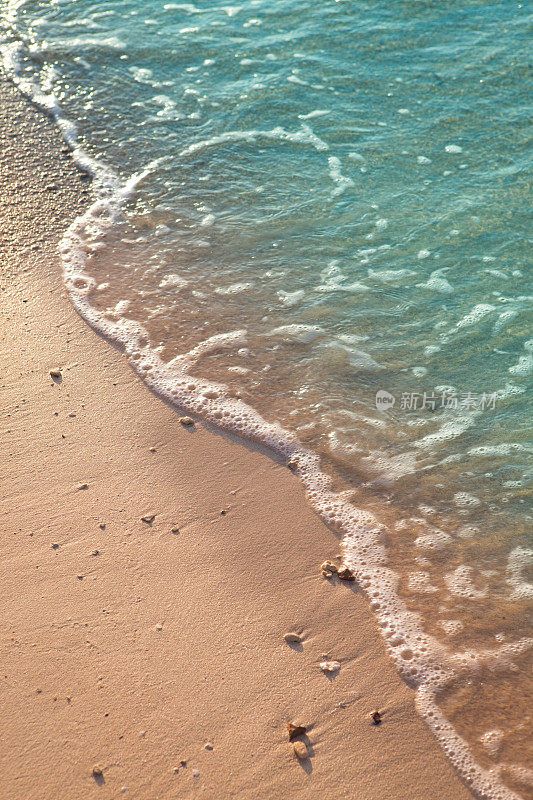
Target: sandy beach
(145, 658)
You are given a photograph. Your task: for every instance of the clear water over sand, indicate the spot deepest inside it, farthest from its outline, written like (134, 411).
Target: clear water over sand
(347, 186)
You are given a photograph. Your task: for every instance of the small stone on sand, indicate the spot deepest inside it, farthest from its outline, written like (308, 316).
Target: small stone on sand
(159, 627)
(148, 518)
(97, 771)
(95, 553)
(292, 638)
(55, 373)
(196, 773)
(208, 746)
(186, 420)
(376, 717)
(300, 750)
(345, 574)
(295, 731)
(102, 526)
(292, 463)
(81, 486)
(330, 666)
(175, 530)
(328, 566)
(152, 449)
(55, 547)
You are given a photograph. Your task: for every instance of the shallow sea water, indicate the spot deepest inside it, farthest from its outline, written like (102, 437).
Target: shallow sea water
(343, 188)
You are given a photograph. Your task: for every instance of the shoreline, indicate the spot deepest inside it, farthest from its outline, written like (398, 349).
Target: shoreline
(133, 647)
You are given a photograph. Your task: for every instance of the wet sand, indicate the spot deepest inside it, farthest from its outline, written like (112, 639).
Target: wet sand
(146, 659)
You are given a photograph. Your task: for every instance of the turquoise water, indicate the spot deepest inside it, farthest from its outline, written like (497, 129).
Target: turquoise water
(346, 185)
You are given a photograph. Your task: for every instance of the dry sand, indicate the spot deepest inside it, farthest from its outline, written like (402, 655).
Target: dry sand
(129, 646)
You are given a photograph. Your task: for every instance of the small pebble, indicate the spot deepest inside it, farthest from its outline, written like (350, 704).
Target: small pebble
(148, 518)
(159, 627)
(295, 731)
(186, 420)
(292, 463)
(329, 566)
(292, 638)
(55, 373)
(208, 746)
(95, 553)
(97, 771)
(55, 547)
(346, 574)
(175, 529)
(102, 526)
(300, 750)
(79, 577)
(153, 450)
(376, 717)
(330, 666)
(81, 486)
(196, 773)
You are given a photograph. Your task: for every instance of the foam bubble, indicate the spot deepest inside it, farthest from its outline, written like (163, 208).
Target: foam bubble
(460, 583)
(465, 500)
(234, 288)
(520, 559)
(451, 626)
(337, 177)
(304, 334)
(492, 741)
(304, 136)
(435, 540)
(290, 299)
(420, 583)
(477, 313)
(437, 283)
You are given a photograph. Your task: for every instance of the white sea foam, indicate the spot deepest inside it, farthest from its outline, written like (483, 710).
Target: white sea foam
(437, 283)
(342, 183)
(173, 282)
(291, 299)
(520, 559)
(476, 314)
(304, 136)
(304, 334)
(234, 288)
(461, 584)
(421, 659)
(312, 114)
(420, 583)
(525, 362)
